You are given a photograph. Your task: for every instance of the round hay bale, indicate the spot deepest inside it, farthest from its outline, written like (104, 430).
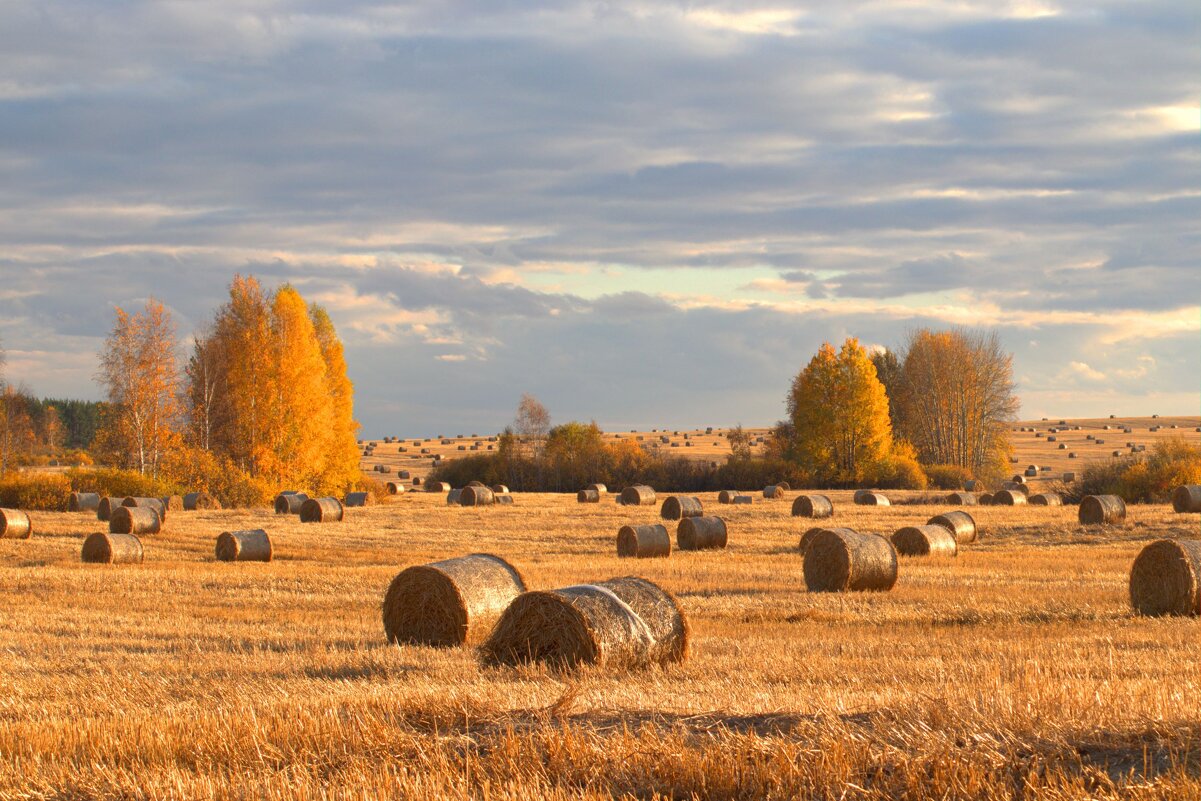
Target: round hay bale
(773, 491)
(1045, 499)
(383, 468)
(815, 506)
(104, 511)
(200, 500)
(15, 525)
(83, 502)
(843, 560)
(588, 496)
(961, 525)
(784, 485)
(637, 495)
(601, 488)
(701, 534)
(112, 549)
(808, 536)
(395, 488)
(973, 485)
(403, 475)
(453, 497)
(985, 499)
(1187, 498)
(677, 507)
(621, 623)
(244, 546)
(451, 602)
(963, 499)
(149, 503)
(435, 486)
(189, 501)
(1007, 497)
(500, 489)
(1166, 578)
(726, 496)
(742, 499)
(477, 496)
(644, 541)
(1020, 479)
(289, 503)
(867, 498)
(356, 499)
(927, 540)
(321, 510)
(503, 500)
(416, 480)
(135, 520)
(476, 484)
(173, 503)
(1098, 510)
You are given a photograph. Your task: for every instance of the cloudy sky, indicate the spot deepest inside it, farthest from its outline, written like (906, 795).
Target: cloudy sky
(645, 213)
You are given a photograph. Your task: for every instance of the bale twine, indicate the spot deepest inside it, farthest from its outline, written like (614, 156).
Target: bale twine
(588, 496)
(500, 489)
(104, 511)
(814, 506)
(15, 525)
(927, 540)
(677, 507)
(963, 499)
(435, 486)
(638, 495)
(83, 502)
(356, 499)
(173, 503)
(644, 541)
(726, 496)
(868, 498)
(135, 520)
(701, 534)
(321, 510)
(773, 491)
(244, 546)
(452, 497)
(1045, 499)
(620, 623)
(504, 499)
(601, 488)
(450, 602)
(289, 503)
(1166, 578)
(395, 488)
(1102, 509)
(742, 499)
(961, 525)
(1008, 497)
(1187, 498)
(148, 503)
(843, 560)
(112, 549)
(985, 499)
(477, 496)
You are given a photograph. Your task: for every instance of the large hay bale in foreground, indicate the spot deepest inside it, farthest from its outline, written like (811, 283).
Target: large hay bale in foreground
(1007, 497)
(868, 498)
(843, 560)
(927, 540)
(395, 488)
(1166, 578)
(450, 602)
(644, 541)
(83, 502)
(1187, 498)
(357, 499)
(477, 496)
(321, 510)
(677, 507)
(637, 495)
(963, 499)
(808, 536)
(961, 525)
(148, 503)
(15, 525)
(817, 507)
(112, 549)
(107, 504)
(621, 623)
(135, 520)
(588, 496)
(244, 546)
(1045, 499)
(1098, 510)
(289, 503)
(701, 534)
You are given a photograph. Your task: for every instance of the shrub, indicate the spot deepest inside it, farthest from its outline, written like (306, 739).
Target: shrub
(1148, 478)
(946, 476)
(42, 492)
(899, 469)
(118, 483)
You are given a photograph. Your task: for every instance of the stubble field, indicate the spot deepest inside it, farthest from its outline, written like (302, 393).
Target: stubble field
(1015, 670)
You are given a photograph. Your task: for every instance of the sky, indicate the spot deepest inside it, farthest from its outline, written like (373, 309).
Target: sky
(645, 214)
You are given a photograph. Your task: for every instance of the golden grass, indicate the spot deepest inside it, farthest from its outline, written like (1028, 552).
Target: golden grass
(1014, 669)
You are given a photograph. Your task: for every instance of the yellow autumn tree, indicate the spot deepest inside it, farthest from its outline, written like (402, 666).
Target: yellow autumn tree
(242, 334)
(341, 448)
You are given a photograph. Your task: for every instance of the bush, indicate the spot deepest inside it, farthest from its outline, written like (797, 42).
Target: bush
(118, 483)
(41, 492)
(946, 476)
(196, 470)
(1146, 478)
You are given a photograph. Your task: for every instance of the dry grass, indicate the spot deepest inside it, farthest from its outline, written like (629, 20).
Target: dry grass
(1016, 669)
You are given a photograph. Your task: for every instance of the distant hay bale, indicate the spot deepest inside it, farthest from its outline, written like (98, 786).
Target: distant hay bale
(1024, 489)
(503, 500)
(677, 507)
(112, 549)
(244, 546)
(927, 540)
(742, 499)
(644, 541)
(1098, 510)
(135, 520)
(356, 499)
(1166, 579)
(588, 496)
(814, 506)
(601, 488)
(961, 525)
(621, 623)
(843, 560)
(985, 499)
(500, 489)
(638, 495)
(435, 486)
(784, 485)
(195, 501)
(321, 510)
(1020, 479)
(451, 602)
(395, 488)
(150, 503)
(383, 468)
(477, 496)
(973, 485)
(963, 499)
(868, 498)
(289, 503)
(416, 480)
(15, 525)
(726, 496)
(83, 502)
(1068, 478)
(104, 511)
(773, 491)
(173, 503)
(1045, 499)
(452, 497)
(1187, 498)
(403, 475)
(476, 484)
(701, 534)
(1007, 497)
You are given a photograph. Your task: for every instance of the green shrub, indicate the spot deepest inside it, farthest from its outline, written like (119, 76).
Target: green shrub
(41, 492)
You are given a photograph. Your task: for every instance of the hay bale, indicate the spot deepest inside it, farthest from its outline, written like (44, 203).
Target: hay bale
(701, 534)
(173, 503)
(927, 540)
(784, 485)
(500, 489)
(356, 499)
(588, 496)
(621, 623)
(416, 480)
(963, 499)
(1020, 479)
(814, 506)
(808, 536)
(135, 520)
(973, 485)
(476, 484)
(504, 499)
(601, 488)
(868, 498)
(1098, 510)
(1008, 497)
(244, 546)
(1068, 478)
(112, 549)
(1166, 578)
(195, 501)
(150, 503)
(403, 475)
(395, 488)
(677, 507)
(383, 468)
(83, 502)
(726, 496)
(452, 497)
(289, 503)
(477, 496)
(773, 491)
(1045, 499)
(435, 486)
(1024, 489)
(1187, 498)
(742, 499)
(451, 602)
(843, 560)
(321, 510)
(104, 511)
(961, 525)
(985, 499)
(644, 541)
(637, 495)
(15, 525)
